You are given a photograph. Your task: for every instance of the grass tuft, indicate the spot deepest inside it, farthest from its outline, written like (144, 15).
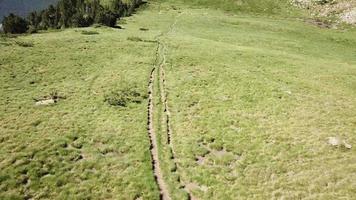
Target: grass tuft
(24, 44)
(90, 32)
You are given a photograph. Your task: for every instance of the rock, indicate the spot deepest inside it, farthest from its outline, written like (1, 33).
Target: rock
(346, 145)
(334, 141)
(45, 102)
(337, 142)
(349, 17)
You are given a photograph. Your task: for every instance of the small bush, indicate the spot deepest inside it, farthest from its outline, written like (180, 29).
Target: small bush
(106, 18)
(123, 97)
(24, 44)
(81, 20)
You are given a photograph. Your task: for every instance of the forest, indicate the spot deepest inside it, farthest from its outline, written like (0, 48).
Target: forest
(70, 13)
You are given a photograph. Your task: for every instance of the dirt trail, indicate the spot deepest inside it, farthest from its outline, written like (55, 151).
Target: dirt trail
(162, 78)
(164, 193)
(164, 99)
(166, 120)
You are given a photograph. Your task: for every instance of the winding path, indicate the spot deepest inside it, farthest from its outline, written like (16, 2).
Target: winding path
(164, 193)
(160, 66)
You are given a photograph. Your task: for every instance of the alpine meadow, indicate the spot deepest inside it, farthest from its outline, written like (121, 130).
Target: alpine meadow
(178, 99)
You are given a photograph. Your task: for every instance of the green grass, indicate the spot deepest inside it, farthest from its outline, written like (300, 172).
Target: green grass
(270, 91)
(253, 97)
(80, 147)
(257, 7)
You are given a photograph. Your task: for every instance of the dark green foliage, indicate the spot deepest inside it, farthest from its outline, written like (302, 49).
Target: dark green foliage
(14, 24)
(71, 13)
(34, 19)
(67, 9)
(44, 20)
(106, 18)
(122, 97)
(81, 20)
(51, 17)
(121, 9)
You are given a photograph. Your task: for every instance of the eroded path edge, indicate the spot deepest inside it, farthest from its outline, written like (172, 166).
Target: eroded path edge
(164, 193)
(159, 71)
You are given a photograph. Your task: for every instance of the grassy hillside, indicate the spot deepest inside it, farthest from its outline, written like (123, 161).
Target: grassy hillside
(243, 106)
(81, 147)
(274, 7)
(254, 101)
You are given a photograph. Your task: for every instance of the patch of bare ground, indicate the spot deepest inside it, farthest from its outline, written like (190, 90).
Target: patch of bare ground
(160, 63)
(53, 98)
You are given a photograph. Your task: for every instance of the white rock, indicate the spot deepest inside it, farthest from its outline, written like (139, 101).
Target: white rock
(346, 145)
(45, 102)
(334, 141)
(349, 17)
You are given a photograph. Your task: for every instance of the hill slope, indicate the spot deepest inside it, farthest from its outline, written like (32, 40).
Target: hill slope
(274, 7)
(241, 105)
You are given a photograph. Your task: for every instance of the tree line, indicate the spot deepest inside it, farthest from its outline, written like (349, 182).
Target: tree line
(70, 13)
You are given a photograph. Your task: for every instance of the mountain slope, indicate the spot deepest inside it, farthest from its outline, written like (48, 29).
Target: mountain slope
(273, 7)
(241, 105)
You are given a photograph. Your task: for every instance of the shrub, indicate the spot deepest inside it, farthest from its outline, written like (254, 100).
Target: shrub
(82, 20)
(24, 44)
(14, 24)
(106, 18)
(122, 97)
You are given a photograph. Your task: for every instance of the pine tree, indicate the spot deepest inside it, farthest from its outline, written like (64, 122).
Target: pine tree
(14, 24)
(52, 17)
(33, 19)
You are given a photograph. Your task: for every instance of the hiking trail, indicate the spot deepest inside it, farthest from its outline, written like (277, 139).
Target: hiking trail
(159, 67)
